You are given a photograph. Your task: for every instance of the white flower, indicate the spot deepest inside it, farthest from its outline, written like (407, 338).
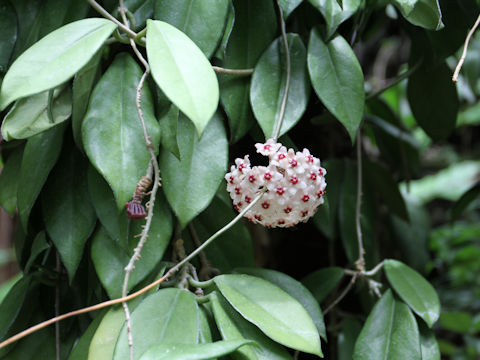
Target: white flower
(294, 182)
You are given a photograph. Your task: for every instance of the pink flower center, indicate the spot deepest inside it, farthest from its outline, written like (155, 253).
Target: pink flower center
(258, 217)
(313, 176)
(281, 222)
(305, 198)
(293, 162)
(320, 171)
(248, 199)
(294, 180)
(281, 156)
(287, 210)
(304, 213)
(267, 176)
(310, 158)
(241, 167)
(280, 191)
(230, 180)
(267, 147)
(238, 190)
(251, 178)
(320, 193)
(265, 205)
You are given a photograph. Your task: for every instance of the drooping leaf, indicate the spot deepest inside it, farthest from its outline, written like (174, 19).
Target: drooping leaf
(288, 6)
(269, 82)
(347, 337)
(428, 343)
(12, 303)
(390, 333)
(111, 131)
(201, 20)
(169, 316)
(183, 72)
(8, 33)
(54, 59)
(193, 352)
(233, 326)
(434, 101)
(30, 116)
(190, 184)
(280, 316)
(110, 258)
(295, 289)
(322, 281)
(254, 29)
(68, 214)
(424, 13)
(39, 157)
(9, 181)
(335, 14)
(414, 290)
(337, 79)
(168, 130)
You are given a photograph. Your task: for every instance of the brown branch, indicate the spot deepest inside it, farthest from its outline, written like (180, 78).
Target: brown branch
(465, 49)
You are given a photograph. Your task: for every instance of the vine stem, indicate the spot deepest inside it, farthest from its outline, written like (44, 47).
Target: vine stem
(283, 105)
(465, 49)
(238, 72)
(108, 16)
(343, 294)
(57, 305)
(360, 263)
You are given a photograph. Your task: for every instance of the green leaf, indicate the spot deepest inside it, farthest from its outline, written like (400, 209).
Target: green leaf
(168, 130)
(323, 281)
(39, 156)
(68, 214)
(233, 326)
(9, 181)
(204, 327)
(390, 333)
(433, 99)
(414, 290)
(190, 184)
(428, 343)
(201, 20)
(347, 338)
(461, 204)
(280, 316)
(183, 72)
(337, 79)
(30, 116)
(8, 33)
(269, 81)
(54, 59)
(39, 245)
(81, 349)
(110, 258)
(288, 6)
(193, 352)
(12, 303)
(169, 316)
(112, 133)
(254, 29)
(424, 13)
(335, 14)
(457, 321)
(295, 289)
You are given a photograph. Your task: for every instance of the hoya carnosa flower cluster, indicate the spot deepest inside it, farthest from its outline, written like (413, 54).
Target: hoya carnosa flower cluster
(294, 183)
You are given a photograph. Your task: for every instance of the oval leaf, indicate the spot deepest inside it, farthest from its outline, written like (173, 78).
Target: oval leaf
(414, 290)
(12, 303)
(169, 316)
(335, 14)
(190, 184)
(337, 79)
(424, 13)
(54, 59)
(193, 352)
(168, 130)
(34, 114)
(112, 133)
(280, 316)
(182, 72)
(322, 281)
(269, 81)
(390, 333)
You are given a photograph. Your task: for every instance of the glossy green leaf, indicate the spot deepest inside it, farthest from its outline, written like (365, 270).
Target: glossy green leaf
(254, 29)
(233, 248)
(428, 343)
(12, 303)
(168, 130)
(30, 116)
(190, 184)
(288, 6)
(68, 214)
(81, 90)
(433, 99)
(54, 59)
(323, 281)
(201, 20)
(112, 133)
(269, 81)
(337, 79)
(390, 333)
(335, 14)
(280, 316)
(347, 337)
(8, 32)
(193, 352)
(39, 156)
(414, 290)
(81, 349)
(295, 289)
(233, 326)
(183, 72)
(110, 258)
(9, 181)
(424, 13)
(39, 245)
(169, 316)
(204, 330)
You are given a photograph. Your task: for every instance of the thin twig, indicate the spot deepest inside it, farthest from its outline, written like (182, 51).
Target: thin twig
(57, 305)
(205, 270)
(237, 72)
(283, 105)
(360, 263)
(342, 295)
(107, 15)
(465, 49)
(139, 292)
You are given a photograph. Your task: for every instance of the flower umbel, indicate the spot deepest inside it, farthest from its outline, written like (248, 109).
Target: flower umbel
(294, 182)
